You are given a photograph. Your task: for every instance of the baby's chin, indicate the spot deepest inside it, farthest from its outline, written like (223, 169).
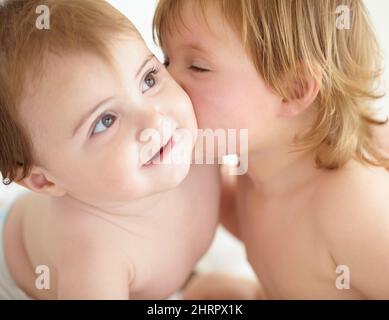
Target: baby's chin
(167, 176)
(155, 179)
(169, 170)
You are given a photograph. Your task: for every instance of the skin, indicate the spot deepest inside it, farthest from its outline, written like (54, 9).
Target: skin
(382, 134)
(106, 225)
(298, 223)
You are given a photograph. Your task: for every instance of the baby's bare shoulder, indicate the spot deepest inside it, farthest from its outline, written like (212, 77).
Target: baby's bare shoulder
(90, 259)
(81, 227)
(84, 240)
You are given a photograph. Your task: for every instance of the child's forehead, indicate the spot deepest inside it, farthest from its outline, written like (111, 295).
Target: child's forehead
(196, 25)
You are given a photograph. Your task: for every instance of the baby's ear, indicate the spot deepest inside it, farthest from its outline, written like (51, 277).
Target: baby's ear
(39, 181)
(303, 89)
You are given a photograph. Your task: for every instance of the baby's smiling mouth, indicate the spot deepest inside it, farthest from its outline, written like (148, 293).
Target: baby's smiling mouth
(159, 156)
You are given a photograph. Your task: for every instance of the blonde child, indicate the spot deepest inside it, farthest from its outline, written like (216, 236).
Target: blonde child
(77, 92)
(313, 209)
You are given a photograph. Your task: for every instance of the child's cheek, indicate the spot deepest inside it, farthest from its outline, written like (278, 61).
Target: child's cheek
(217, 105)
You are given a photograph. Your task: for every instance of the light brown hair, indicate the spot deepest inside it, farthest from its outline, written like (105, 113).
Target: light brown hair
(75, 26)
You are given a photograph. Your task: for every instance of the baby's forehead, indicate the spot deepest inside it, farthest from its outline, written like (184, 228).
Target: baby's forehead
(71, 69)
(63, 86)
(70, 83)
(56, 74)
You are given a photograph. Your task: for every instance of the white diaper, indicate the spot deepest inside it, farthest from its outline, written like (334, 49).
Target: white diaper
(8, 288)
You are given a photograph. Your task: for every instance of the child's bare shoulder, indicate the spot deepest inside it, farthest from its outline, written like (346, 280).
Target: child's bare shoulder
(351, 195)
(352, 215)
(356, 188)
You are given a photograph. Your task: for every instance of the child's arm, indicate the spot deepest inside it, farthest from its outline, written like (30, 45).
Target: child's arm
(91, 270)
(228, 206)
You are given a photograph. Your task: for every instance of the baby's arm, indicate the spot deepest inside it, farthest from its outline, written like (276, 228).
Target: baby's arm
(91, 269)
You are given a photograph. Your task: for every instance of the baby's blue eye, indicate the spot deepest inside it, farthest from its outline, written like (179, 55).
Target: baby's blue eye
(149, 81)
(104, 123)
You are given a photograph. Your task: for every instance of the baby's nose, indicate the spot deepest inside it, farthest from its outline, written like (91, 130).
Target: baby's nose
(156, 123)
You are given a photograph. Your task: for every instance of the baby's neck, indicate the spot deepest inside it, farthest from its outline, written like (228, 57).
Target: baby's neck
(140, 207)
(280, 171)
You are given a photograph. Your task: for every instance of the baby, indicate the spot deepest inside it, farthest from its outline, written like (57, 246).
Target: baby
(111, 216)
(313, 208)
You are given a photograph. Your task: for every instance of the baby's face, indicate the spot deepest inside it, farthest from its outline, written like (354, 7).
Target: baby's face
(212, 65)
(87, 121)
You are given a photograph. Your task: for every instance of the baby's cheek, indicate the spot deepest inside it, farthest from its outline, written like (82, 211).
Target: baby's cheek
(116, 171)
(123, 167)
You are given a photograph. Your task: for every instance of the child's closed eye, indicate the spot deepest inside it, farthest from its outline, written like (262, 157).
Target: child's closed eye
(193, 67)
(198, 69)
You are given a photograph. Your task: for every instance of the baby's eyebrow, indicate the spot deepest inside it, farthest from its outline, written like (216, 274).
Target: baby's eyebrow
(89, 113)
(149, 57)
(100, 104)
